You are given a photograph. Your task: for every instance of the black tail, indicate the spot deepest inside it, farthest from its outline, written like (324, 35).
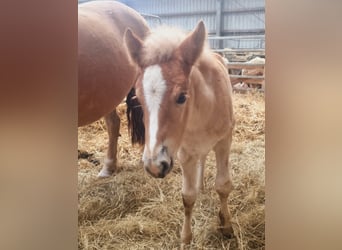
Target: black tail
(135, 115)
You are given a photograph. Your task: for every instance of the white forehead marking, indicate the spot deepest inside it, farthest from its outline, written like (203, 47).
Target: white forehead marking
(154, 87)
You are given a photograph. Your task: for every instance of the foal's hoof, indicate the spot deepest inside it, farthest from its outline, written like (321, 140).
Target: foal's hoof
(186, 239)
(227, 230)
(105, 173)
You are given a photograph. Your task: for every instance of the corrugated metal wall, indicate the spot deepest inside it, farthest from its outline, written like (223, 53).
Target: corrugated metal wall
(184, 14)
(237, 18)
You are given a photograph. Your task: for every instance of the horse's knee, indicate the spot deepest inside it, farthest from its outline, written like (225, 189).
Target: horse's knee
(188, 202)
(113, 122)
(113, 127)
(116, 119)
(223, 186)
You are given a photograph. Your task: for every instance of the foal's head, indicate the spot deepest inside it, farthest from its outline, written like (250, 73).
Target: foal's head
(163, 90)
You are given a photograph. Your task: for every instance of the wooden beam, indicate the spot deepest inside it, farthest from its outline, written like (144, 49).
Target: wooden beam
(245, 65)
(239, 51)
(247, 79)
(243, 91)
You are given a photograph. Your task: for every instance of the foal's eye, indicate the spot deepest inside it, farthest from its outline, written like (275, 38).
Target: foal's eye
(181, 98)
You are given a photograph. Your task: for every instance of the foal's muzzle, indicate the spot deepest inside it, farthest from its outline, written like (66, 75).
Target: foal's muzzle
(160, 165)
(161, 170)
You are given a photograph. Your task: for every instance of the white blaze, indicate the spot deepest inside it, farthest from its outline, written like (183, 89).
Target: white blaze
(154, 88)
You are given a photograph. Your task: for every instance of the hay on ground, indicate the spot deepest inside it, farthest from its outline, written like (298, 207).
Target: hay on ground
(132, 210)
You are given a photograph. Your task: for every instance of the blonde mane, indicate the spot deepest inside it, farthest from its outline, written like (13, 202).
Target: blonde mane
(160, 44)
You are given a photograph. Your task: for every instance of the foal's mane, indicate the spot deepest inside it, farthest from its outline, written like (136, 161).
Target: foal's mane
(160, 44)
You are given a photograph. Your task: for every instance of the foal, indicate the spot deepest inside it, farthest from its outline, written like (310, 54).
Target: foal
(186, 98)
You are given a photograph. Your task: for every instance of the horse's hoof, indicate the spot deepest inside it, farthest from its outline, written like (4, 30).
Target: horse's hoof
(226, 230)
(104, 173)
(186, 240)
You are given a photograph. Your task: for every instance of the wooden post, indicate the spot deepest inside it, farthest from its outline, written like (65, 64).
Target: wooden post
(219, 5)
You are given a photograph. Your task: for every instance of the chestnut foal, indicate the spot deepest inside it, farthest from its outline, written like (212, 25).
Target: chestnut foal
(186, 98)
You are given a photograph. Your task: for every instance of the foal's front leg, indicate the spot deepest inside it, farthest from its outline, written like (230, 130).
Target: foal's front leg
(113, 126)
(223, 183)
(201, 166)
(189, 192)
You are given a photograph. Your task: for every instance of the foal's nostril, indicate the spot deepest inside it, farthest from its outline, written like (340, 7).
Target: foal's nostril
(165, 169)
(165, 166)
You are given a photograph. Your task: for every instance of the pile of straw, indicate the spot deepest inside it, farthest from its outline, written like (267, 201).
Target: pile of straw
(132, 210)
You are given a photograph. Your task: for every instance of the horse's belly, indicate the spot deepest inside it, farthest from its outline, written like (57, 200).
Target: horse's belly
(101, 92)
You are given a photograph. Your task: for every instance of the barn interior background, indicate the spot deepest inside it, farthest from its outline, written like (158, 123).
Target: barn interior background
(131, 210)
(234, 24)
(236, 30)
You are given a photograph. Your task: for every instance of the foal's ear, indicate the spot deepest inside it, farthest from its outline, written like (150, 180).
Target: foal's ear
(133, 44)
(191, 48)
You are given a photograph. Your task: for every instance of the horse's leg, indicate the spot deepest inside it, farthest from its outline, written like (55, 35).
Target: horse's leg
(113, 126)
(223, 182)
(189, 192)
(201, 166)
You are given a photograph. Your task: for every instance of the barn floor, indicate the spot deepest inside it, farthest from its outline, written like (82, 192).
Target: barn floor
(132, 210)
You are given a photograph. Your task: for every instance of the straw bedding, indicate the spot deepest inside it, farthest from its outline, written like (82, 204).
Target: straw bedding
(132, 210)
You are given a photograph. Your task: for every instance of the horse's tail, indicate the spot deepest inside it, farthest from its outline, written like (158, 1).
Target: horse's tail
(135, 115)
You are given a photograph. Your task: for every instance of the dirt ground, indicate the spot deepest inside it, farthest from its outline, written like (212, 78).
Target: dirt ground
(132, 210)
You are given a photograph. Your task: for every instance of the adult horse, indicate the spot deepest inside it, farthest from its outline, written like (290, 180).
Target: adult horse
(105, 74)
(186, 98)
